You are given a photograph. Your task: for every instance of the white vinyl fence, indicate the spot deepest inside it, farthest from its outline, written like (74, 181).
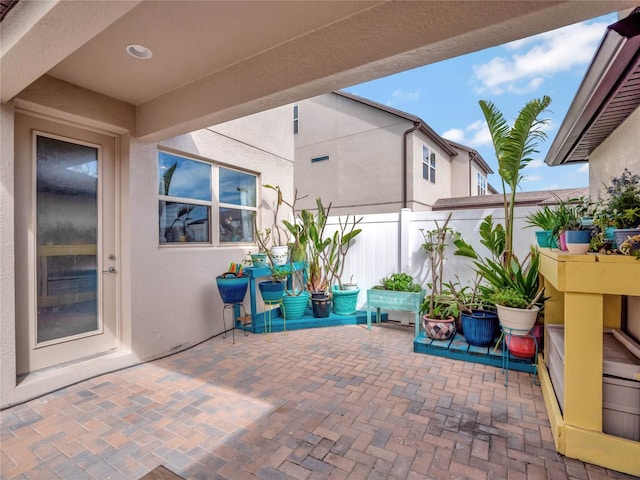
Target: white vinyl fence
(392, 243)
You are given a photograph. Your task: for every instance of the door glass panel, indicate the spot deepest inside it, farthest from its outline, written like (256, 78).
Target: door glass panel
(67, 231)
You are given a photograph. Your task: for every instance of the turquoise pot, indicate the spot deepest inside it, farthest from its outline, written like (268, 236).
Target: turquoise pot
(294, 306)
(232, 287)
(259, 259)
(345, 301)
(546, 239)
(271, 291)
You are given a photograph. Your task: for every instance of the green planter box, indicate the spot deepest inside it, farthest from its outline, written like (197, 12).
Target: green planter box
(392, 300)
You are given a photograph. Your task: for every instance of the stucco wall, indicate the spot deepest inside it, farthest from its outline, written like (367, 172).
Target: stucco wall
(7, 257)
(364, 146)
(174, 296)
(168, 297)
(621, 150)
(422, 193)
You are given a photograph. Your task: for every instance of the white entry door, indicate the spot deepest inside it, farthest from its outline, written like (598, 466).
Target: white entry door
(65, 243)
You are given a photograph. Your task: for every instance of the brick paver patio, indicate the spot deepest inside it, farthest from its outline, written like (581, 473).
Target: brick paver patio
(337, 403)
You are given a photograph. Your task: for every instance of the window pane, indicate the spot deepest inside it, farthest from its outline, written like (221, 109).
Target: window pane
(183, 222)
(433, 175)
(425, 171)
(181, 177)
(237, 188)
(236, 225)
(67, 229)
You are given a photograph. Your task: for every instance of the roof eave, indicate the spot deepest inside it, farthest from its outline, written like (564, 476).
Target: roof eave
(426, 129)
(615, 58)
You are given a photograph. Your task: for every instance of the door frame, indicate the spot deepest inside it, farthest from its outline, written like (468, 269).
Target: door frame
(27, 127)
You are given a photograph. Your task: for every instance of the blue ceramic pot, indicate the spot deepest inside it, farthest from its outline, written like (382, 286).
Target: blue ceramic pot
(479, 328)
(578, 241)
(232, 287)
(271, 291)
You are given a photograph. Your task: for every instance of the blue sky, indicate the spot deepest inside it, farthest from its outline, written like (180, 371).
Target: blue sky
(446, 94)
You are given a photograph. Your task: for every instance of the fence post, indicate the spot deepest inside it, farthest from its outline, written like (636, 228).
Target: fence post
(405, 240)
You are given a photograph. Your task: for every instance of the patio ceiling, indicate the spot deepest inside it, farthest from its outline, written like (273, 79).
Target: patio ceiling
(218, 60)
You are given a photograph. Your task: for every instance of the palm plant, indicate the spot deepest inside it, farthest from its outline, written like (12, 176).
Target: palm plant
(514, 147)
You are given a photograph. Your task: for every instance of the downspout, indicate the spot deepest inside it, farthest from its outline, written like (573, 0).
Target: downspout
(470, 160)
(416, 126)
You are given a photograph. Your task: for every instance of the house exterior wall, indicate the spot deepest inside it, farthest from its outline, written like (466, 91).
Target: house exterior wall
(364, 146)
(168, 296)
(422, 194)
(621, 150)
(459, 171)
(7, 256)
(364, 170)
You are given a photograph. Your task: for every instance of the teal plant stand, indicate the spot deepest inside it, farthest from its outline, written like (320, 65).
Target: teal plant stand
(393, 300)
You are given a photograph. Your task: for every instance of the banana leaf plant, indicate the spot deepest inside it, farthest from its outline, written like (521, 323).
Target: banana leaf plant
(514, 147)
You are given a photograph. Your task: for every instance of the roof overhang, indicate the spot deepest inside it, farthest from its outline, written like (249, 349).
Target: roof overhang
(217, 60)
(608, 94)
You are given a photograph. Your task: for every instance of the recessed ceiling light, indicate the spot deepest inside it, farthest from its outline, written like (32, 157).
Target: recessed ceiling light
(139, 51)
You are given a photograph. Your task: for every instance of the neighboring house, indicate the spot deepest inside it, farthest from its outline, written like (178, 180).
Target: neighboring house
(369, 158)
(523, 199)
(92, 222)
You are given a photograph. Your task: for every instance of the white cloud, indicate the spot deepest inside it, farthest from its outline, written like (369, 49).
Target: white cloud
(536, 58)
(454, 134)
(535, 164)
(474, 135)
(584, 168)
(399, 96)
(532, 178)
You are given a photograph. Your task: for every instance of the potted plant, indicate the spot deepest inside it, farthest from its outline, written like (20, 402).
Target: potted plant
(579, 225)
(439, 310)
(272, 290)
(514, 146)
(622, 206)
(396, 292)
(545, 219)
(232, 285)
(439, 314)
(334, 256)
(316, 246)
(517, 314)
(478, 318)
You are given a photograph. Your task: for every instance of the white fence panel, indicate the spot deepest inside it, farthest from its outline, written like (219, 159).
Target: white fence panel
(392, 243)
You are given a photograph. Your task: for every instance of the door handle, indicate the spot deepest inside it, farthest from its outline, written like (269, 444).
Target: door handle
(110, 270)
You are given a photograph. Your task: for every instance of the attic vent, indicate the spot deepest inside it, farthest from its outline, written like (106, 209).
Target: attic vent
(320, 159)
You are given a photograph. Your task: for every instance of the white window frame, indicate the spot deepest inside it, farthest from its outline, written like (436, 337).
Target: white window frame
(428, 164)
(214, 204)
(481, 184)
